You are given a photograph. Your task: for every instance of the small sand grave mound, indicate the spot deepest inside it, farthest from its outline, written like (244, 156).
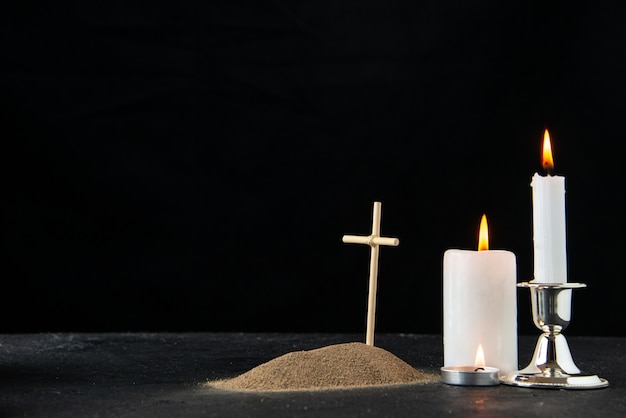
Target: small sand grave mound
(335, 366)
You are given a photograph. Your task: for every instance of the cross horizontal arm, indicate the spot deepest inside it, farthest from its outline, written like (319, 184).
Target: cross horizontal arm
(370, 240)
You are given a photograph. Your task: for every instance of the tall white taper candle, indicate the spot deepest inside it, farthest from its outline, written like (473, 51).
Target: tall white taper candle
(549, 237)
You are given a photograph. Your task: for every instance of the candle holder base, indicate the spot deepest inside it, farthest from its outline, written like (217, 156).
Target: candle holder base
(552, 365)
(552, 382)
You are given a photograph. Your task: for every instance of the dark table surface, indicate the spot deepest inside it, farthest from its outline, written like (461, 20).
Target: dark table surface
(164, 374)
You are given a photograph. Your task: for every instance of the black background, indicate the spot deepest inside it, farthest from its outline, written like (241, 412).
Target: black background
(192, 166)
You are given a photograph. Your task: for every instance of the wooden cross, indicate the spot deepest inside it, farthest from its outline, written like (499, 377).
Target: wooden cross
(373, 240)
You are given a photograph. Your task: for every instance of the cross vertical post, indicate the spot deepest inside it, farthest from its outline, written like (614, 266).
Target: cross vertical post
(373, 240)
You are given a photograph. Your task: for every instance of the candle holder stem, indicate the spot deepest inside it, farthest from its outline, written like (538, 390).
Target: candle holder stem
(552, 365)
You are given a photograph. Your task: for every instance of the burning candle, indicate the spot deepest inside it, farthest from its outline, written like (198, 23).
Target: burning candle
(480, 305)
(476, 375)
(549, 221)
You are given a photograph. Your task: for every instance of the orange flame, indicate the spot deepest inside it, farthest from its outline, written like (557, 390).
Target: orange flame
(546, 157)
(480, 356)
(483, 235)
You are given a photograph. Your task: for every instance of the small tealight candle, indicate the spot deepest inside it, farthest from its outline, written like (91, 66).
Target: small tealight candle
(470, 376)
(476, 375)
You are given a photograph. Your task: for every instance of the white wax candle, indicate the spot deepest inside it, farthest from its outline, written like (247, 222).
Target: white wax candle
(480, 307)
(549, 223)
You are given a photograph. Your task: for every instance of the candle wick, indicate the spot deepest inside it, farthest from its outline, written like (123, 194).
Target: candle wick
(548, 170)
(481, 369)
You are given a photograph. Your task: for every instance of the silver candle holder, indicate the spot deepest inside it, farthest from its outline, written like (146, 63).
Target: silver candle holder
(552, 365)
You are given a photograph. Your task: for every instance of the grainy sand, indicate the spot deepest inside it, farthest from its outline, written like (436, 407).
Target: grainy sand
(335, 366)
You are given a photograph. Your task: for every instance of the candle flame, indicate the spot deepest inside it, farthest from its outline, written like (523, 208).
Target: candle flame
(546, 157)
(483, 235)
(480, 356)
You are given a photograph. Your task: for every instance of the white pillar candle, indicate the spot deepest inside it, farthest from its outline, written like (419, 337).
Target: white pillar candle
(480, 308)
(550, 253)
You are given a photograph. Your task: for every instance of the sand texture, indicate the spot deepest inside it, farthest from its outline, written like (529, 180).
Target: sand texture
(335, 366)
